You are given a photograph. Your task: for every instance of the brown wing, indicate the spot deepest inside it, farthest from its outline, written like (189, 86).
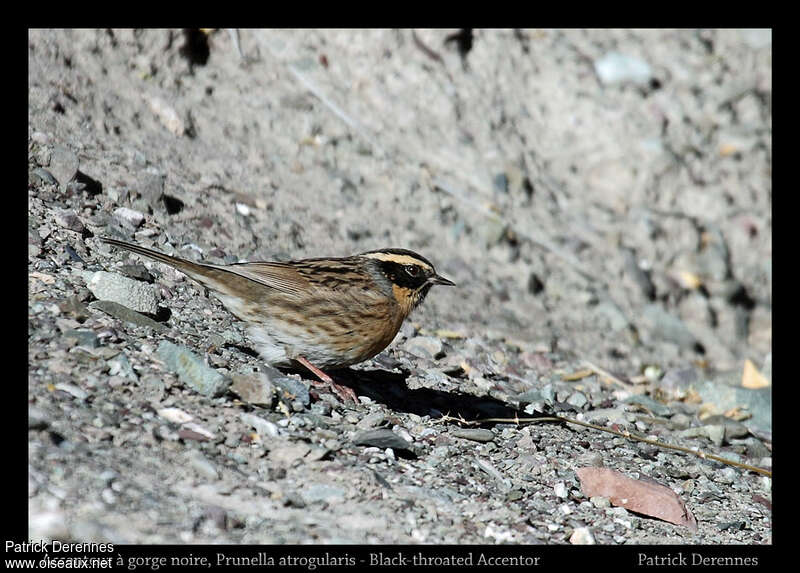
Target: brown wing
(283, 277)
(298, 277)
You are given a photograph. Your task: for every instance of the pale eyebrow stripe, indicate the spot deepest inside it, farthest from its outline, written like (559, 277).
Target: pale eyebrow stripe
(399, 259)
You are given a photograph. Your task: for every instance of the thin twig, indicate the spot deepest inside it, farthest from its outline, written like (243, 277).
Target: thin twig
(604, 373)
(623, 434)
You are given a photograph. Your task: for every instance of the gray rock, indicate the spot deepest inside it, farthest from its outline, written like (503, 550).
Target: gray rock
(474, 434)
(113, 287)
(37, 418)
(582, 536)
(73, 390)
(191, 369)
(85, 338)
(285, 452)
(129, 217)
(124, 313)
(63, 164)
(756, 448)
(715, 433)
(381, 438)
(370, 421)
(733, 429)
(615, 68)
(288, 387)
(43, 175)
(577, 399)
(120, 365)
(725, 396)
(253, 388)
(676, 382)
(68, 219)
(151, 188)
(424, 347)
(263, 427)
(548, 393)
(136, 271)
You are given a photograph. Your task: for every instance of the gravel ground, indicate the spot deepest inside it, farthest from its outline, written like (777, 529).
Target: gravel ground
(602, 199)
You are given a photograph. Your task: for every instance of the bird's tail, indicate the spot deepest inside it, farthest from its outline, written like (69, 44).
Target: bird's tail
(182, 265)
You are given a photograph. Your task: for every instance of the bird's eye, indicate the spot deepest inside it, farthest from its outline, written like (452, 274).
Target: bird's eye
(412, 270)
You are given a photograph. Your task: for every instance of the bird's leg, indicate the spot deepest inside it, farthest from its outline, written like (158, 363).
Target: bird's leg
(342, 391)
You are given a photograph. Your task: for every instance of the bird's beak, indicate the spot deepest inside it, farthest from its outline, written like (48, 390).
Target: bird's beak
(437, 280)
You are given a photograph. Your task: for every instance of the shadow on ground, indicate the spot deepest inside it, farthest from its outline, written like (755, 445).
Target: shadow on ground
(391, 389)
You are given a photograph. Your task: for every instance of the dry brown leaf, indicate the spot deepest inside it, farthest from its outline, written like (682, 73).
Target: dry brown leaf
(645, 497)
(752, 378)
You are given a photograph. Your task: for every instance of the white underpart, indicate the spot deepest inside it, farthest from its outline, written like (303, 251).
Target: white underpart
(280, 349)
(270, 349)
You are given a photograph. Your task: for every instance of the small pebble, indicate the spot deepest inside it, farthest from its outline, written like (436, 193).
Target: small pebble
(253, 388)
(616, 68)
(715, 433)
(288, 387)
(120, 365)
(474, 434)
(44, 175)
(370, 421)
(192, 370)
(67, 219)
(381, 438)
(577, 399)
(263, 427)
(193, 431)
(37, 418)
(73, 390)
(86, 338)
(174, 415)
(129, 217)
(582, 536)
(424, 347)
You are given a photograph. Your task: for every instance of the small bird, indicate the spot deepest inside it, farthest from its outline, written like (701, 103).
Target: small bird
(321, 312)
